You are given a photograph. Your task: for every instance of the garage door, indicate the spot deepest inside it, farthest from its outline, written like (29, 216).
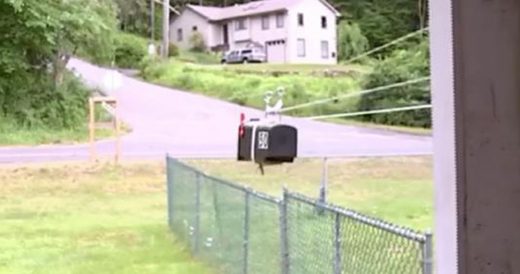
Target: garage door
(275, 51)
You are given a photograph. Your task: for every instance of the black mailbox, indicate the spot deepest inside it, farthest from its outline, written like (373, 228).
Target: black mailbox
(267, 143)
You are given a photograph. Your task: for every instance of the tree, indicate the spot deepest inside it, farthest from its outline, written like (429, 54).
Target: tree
(39, 37)
(401, 65)
(135, 17)
(53, 31)
(384, 20)
(351, 41)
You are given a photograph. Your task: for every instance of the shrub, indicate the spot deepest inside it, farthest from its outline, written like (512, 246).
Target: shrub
(130, 50)
(173, 50)
(36, 103)
(351, 41)
(400, 66)
(197, 43)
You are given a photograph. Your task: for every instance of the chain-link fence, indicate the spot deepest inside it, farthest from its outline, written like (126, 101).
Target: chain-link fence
(238, 230)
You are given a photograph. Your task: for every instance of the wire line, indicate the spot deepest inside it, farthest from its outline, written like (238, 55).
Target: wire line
(359, 93)
(368, 112)
(400, 39)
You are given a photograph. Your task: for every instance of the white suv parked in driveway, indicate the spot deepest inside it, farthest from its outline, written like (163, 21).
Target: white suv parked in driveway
(251, 55)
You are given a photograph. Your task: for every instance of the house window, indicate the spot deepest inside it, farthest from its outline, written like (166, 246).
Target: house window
(265, 22)
(324, 49)
(279, 20)
(323, 22)
(179, 35)
(240, 24)
(195, 28)
(301, 47)
(300, 19)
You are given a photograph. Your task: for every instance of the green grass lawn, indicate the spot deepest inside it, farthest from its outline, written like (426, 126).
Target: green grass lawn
(82, 218)
(399, 190)
(249, 88)
(247, 85)
(197, 57)
(19, 136)
(303, 69)
(212, 61)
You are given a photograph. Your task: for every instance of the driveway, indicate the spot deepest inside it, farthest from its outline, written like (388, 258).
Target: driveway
(186, 125)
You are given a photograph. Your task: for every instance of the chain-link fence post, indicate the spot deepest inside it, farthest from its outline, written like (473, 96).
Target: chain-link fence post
(284, 237)
(337, 244)
(427, 254)
(246, 233)
(196, 232)
(324, 181)
(169, 190)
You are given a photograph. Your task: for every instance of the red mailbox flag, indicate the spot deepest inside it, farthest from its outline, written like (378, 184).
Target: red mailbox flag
(241, 130)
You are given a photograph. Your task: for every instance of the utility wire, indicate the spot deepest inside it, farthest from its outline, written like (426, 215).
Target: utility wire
(368, 112)
(359, 93)
(398, 40)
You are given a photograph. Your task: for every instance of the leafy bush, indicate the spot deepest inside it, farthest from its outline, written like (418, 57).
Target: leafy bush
(34, 102)
(400, 66)
(197, 43)
(351, 42)
(130, 50)
(173, 50)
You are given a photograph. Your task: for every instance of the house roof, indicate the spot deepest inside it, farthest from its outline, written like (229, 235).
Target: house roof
(211, 13)
(251, 8)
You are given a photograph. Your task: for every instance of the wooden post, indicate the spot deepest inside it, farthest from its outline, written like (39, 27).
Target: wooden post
(92, 128)
(111, 106)
(118, 131)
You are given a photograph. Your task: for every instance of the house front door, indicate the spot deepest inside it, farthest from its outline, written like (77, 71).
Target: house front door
(226, 34)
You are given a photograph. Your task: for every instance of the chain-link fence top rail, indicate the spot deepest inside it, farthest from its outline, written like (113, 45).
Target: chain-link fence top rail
(239, 230)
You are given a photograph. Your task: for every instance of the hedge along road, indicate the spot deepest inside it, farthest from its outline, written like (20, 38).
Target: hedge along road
(188, 125)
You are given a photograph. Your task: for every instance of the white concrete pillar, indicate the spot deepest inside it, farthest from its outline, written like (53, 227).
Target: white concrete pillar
(443, 115)
(476, 97)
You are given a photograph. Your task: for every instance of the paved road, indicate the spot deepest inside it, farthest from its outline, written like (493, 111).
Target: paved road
(189, 125)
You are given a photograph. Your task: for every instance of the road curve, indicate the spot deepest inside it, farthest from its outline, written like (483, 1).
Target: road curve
(189, 125)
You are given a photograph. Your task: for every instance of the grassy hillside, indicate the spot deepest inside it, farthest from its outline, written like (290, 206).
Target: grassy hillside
(246, 85)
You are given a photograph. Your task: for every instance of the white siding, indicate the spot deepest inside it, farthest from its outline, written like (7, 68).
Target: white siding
(272, 33)
(238, 37)
(186, 21)
(254, 31)
(287, 52)
(312, 32)
(215, 35)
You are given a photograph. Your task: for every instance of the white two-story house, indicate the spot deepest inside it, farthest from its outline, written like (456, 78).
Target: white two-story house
(290, 31)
